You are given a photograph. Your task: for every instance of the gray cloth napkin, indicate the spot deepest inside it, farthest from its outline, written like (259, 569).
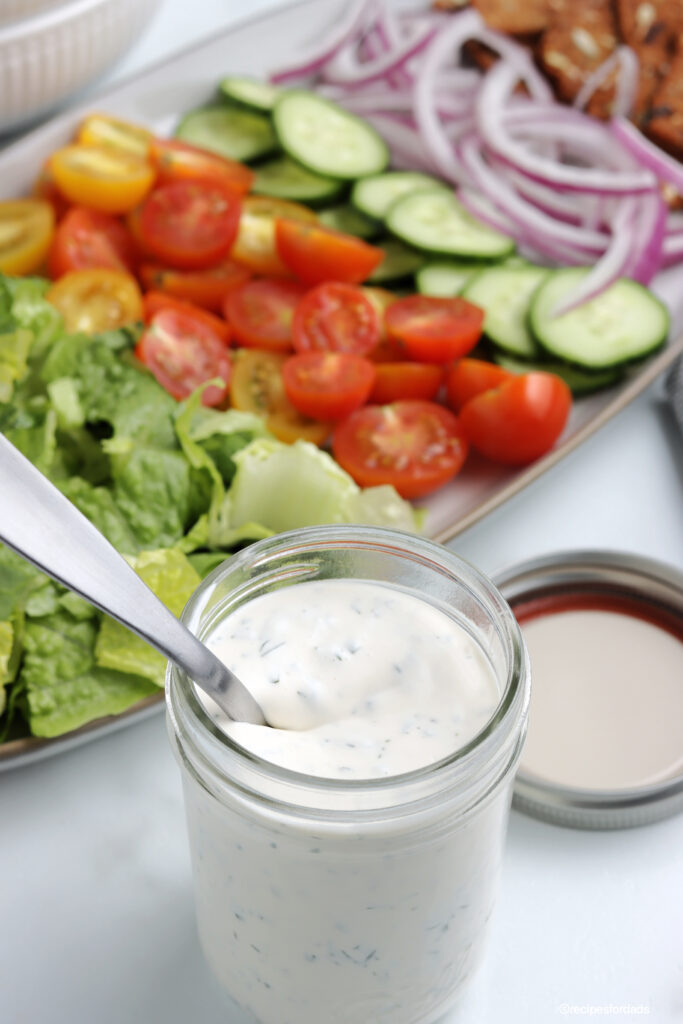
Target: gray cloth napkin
(674, 391)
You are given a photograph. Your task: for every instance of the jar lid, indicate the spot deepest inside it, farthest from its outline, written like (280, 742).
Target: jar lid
(605, 750)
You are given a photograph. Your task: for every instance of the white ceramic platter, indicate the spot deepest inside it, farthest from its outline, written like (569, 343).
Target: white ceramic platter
(156, 98)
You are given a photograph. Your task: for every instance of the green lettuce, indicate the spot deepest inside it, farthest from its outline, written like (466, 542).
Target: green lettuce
(6, 647)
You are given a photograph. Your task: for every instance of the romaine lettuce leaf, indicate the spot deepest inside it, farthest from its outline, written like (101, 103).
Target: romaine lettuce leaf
(98, 505)
(152, 490)
(14, 350)
(6, 646)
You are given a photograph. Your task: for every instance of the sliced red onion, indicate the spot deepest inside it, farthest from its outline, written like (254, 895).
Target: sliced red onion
(345, 69)
(520, 59)
(497, 87)
(352, 22)
(650, 229)
(627, 82)
(407, 148)
(674, 222)
(672, 248)
(476, 204)
(649, 155)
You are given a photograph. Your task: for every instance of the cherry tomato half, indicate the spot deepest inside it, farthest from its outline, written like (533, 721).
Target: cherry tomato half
(45, 187)
(469, 377)
(89, 238)
(189, 224)
(257, 386)
(103, 130)
(261, 313)
(255, 244)
(434, 330)
(26, 228)
(206, 288)
(327, 385)
(101, 177)
(415, 446)
(177, 161)
(152, 302)
(96, 300)
(336, 317)
(182, 352)
(396, 381)
(518, 421)
(315, 253)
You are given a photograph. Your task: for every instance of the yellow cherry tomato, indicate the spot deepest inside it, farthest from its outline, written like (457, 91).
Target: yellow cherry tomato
(254, 247)
(96, 300)
(102, 177)
(256, 386)
(26, 230)
(103, 130)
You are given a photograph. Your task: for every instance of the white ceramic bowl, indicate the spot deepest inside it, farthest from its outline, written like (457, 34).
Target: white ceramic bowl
(59, 49)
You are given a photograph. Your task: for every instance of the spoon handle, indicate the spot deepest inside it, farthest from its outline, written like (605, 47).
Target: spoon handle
(38, 522)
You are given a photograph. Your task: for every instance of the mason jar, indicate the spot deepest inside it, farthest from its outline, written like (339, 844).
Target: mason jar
(324, 900)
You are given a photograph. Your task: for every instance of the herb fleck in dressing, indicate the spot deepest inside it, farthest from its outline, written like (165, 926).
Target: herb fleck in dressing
(356, 679)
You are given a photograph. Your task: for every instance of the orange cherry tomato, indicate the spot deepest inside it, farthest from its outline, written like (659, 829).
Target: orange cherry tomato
(257, 386)
(152, 302)
(88, 238)
(103, 130)
(45, 187)
(327, 385)
(469, 377)
(434, 330)
(178, 161)
(261, 313)
(206, 288)
(396, 381)
(315, 253)
(415, 446)
(183, 351)
(96, 300)
(189, 224)
(102, 177)
(336, 317)
(518, 421)
(26, 229)
(255, 244)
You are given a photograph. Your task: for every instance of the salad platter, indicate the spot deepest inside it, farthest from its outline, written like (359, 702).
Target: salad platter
(157, 99)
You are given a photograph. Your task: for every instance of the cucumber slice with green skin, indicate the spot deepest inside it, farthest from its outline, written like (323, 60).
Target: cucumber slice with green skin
(504, 293)
(327, 139)
(349, 220)
(433, 220)
(579, 382)
(229, 131)
(282, 178)
(250, 92)
(399, 262)
(445, 280)
(375, 194)
(622, 324)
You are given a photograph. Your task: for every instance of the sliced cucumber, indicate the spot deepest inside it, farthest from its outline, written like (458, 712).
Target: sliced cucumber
(433, 219)
(375, 194)
(250, 92)
(230, 131)
(580, 382)
(399, 262)
(623, 323)
(504, 293)
(285, 179)
(445, 280)
(351, 221)
(327, 139)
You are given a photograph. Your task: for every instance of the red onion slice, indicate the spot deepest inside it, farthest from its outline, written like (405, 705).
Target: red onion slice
(345, 69)
(353, 21)
(659, 162)
(627, 83)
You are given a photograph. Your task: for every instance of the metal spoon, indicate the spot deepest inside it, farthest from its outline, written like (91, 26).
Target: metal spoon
(38, 522)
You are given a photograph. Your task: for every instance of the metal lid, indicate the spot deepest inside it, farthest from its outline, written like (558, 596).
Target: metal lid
(656, 588)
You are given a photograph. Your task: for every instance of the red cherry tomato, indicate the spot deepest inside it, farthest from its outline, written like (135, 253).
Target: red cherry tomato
(152, 302)
(327, 385)
(469, 377)
(416, 446)
(189, 224)
(315, 253)
(396, 381)
(336, 318)
(518, 421)
(261, 313)
(87, 239)
(177, 161)
(434, 330)
(182, 352)
(206, 288)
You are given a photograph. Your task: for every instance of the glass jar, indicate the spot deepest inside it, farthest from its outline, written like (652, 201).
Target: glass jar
(327, 900)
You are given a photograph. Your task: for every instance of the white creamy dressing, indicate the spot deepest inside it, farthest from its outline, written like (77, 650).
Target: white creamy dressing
(357, 680)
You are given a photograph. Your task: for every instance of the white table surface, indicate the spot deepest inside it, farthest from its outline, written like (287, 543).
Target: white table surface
(96, 915)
